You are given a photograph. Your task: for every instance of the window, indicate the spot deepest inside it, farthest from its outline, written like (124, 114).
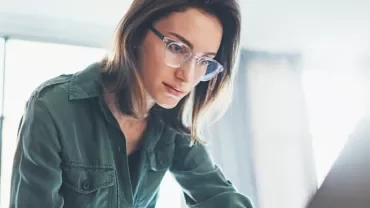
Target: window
(2, 45)
(28, 64)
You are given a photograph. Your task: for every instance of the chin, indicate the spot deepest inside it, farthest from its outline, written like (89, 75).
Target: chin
(167, 103)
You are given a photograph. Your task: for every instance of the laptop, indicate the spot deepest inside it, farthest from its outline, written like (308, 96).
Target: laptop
(347, 184)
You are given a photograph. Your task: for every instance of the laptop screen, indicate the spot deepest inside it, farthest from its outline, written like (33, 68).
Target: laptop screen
(347, 184)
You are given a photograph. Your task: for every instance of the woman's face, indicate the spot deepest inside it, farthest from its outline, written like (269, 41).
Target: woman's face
(167, 85)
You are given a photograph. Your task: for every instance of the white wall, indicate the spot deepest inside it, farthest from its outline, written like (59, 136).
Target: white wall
(267, 24)
(82, 22)
(294, 25)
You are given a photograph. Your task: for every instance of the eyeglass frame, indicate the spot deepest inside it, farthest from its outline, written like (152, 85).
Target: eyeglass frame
(193, 55)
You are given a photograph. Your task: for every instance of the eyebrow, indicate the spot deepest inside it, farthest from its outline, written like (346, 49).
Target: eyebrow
(182, 39)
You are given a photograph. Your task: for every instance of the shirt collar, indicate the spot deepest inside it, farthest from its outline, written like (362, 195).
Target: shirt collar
(86, 83)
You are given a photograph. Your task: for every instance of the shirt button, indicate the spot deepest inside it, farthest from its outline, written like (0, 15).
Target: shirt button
(85, 185)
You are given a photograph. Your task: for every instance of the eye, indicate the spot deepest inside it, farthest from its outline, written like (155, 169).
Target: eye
(175, 48)
(203, 62)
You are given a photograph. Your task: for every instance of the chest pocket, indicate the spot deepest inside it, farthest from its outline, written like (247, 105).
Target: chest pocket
(159, 160)
(87, 186)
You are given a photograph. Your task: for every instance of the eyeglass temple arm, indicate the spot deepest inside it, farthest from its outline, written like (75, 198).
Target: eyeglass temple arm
(160, 35)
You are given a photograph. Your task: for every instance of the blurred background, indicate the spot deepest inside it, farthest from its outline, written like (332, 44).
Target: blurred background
(302, 85)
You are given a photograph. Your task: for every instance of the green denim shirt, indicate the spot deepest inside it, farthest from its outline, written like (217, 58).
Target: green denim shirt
(71, 153)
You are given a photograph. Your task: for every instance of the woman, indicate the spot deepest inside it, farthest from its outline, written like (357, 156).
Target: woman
(105, 137)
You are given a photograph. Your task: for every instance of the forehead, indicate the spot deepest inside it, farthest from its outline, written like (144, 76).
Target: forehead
(201, 29)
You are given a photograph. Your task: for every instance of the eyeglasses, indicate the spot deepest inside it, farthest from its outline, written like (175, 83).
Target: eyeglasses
(177, 54)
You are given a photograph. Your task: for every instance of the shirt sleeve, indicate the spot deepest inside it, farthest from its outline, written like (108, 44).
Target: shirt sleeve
(203, 182)
(36, 177)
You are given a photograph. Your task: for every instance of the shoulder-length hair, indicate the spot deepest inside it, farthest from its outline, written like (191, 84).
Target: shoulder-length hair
(120, 71)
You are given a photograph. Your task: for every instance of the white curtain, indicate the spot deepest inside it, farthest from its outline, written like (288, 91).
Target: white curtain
(282, 145)
(263, 142)
(230, 138)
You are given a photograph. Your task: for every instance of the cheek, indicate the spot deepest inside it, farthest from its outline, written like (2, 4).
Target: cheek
(198, 77)
(151, 65)
(155, 71)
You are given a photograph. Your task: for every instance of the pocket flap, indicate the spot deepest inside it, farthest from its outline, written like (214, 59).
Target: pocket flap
(86, 179)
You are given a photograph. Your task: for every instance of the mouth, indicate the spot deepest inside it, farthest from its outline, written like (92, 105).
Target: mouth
(173, 91)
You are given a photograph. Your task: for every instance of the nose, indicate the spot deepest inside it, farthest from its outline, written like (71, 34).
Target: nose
(187, 72)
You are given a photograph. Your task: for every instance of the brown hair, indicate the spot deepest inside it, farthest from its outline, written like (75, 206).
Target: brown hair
(120, 74)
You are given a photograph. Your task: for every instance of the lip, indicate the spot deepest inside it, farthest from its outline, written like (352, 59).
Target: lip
(174, 91)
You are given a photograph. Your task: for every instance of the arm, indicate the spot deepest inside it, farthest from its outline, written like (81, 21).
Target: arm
(36, 176)
(203, 182)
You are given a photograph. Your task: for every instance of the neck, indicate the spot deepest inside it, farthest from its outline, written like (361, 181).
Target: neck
(110, 100)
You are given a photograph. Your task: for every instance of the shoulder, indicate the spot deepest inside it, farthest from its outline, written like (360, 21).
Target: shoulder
(54, 95)
(52, 89)
(83, 84)
(50, 100)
